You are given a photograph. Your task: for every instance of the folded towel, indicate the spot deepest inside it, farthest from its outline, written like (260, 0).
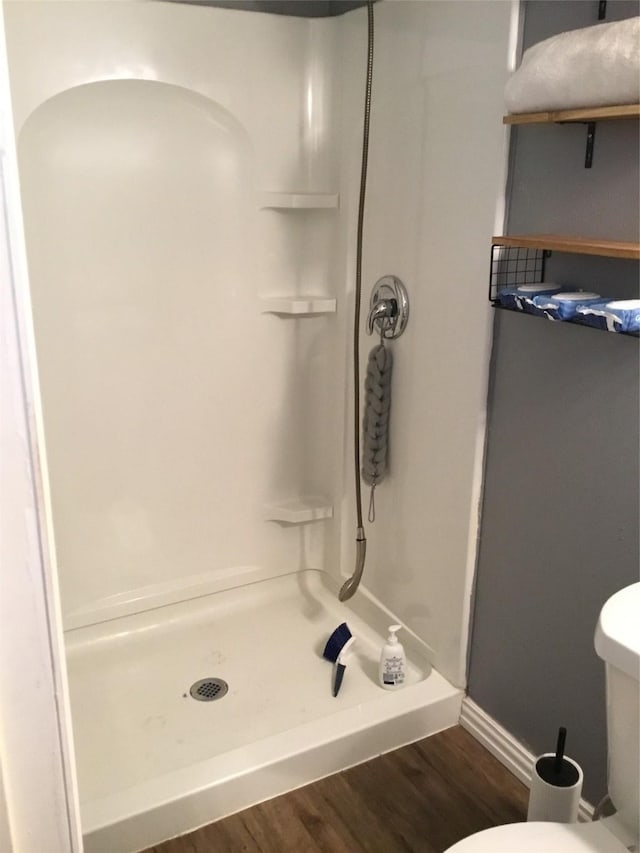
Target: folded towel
(592, 67)
(563, 306)
(521, 298)
(612, 315)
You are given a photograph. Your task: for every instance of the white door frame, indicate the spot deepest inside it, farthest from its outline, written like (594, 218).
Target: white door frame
(38, 792)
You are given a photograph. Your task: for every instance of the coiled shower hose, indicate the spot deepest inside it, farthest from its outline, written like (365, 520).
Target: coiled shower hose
(351, 585)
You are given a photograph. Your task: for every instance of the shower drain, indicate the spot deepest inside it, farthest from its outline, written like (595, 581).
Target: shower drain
(208, 689)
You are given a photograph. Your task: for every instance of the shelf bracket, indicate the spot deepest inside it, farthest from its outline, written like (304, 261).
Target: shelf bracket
(591, 136)
(591, 126)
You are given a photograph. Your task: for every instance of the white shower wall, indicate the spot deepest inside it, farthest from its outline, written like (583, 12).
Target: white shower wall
(435, 196)
(175, 410)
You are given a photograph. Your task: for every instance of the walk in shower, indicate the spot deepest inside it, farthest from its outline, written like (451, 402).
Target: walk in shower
(190, 180)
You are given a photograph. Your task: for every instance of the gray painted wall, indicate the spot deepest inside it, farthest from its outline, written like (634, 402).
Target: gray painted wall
(561, 508)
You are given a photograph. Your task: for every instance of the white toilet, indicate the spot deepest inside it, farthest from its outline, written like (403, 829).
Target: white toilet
(617, 642)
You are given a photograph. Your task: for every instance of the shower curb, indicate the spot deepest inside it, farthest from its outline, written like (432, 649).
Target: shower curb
(172, 815)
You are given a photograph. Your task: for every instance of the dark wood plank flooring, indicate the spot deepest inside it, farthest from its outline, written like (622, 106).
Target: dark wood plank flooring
(421, 798)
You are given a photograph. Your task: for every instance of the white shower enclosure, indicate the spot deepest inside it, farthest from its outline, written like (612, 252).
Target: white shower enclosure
(189, 179)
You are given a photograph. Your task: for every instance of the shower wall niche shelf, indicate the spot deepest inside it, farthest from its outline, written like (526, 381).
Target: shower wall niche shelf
(298, 201)
(299, 511)
(302, 305)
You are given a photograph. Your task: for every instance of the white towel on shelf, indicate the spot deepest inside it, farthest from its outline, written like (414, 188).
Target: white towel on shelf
(593, 67)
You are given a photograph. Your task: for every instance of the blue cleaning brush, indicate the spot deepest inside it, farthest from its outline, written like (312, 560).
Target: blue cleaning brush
(336, 650)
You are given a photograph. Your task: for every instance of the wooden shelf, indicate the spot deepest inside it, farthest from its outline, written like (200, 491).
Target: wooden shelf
(571, 245)
(586, 114)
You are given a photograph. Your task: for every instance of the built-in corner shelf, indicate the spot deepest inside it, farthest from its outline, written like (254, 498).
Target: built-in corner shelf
(586, 114)
(571, 245)
(298, 201)
(298, 511)
(299, 305)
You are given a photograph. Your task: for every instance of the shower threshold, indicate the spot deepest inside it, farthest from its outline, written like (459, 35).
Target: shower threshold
(154, 763)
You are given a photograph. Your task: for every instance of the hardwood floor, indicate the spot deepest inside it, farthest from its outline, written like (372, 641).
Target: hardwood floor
(421, 798)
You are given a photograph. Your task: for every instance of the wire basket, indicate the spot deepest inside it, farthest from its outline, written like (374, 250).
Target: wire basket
(513, 266)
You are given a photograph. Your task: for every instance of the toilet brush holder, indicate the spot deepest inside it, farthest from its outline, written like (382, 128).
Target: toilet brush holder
(556, 786)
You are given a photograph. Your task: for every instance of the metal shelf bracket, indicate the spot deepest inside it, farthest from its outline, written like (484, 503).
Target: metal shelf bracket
(591, 125)
(591, 138)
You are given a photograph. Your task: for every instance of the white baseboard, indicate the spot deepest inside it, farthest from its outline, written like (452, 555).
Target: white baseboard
(504, 746)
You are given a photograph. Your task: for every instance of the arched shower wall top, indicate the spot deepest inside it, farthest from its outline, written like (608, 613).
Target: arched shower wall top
(142, 88)
(174, 410)
(287, 104)
(219, 112)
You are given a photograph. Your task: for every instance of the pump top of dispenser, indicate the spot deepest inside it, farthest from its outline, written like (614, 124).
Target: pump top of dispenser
(392, 639)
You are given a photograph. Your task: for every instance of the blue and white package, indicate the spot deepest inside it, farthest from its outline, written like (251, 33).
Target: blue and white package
(564, 306)
(527, 294)
(627, 314)
(595, 314)
(618, 315)
(507, 298)
(520, 298)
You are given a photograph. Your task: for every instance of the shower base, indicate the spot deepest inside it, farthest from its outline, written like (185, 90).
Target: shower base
(154, 763)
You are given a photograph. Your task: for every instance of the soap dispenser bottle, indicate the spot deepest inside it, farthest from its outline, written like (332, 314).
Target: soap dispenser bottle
(393, 663)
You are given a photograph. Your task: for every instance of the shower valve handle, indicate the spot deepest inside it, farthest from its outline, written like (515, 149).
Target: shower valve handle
(388, 307)
(384, 312)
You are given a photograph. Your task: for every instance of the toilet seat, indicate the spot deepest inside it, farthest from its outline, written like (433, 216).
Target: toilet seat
(538, 837)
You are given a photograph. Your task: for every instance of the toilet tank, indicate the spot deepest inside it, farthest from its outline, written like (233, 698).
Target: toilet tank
(617, 642)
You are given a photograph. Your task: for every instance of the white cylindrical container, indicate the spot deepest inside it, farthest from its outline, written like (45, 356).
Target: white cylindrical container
(393, 663)
(555, 794)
